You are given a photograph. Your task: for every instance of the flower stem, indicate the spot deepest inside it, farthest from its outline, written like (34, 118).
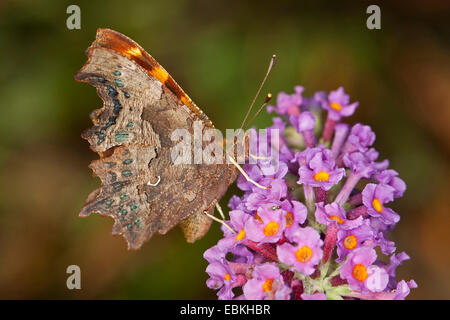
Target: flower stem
(263, 249)
(321, 195)
(297, 289)
(328, 129)
(340, 134)
(355, 213)
(347, 188)
(239, 268)
(309, 197)
(310, 138)
(337, 281)
(240, 281)
(356, 199)
(330, 240)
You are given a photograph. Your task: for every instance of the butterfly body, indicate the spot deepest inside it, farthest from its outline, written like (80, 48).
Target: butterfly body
(142, 188)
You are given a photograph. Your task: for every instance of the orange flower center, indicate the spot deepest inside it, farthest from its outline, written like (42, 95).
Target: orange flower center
(350, 242)
(271, 229)
(257, 217)
(240, 236)
(377, 205)
(360, 272)
(336, 218)
(321, 176)
(267, 285)
(336, 106)
(227, 277)
(304, 254)
(289, 219)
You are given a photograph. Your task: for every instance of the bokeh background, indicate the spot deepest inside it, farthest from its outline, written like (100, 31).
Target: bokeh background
(217, 51)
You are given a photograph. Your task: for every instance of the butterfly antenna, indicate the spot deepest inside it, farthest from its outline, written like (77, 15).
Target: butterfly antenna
(271, 64)
(268, 97)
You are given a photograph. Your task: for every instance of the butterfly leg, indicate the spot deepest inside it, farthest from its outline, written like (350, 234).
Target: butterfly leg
(245, 174)
(220, 221)
(257, 157)
(219, 208)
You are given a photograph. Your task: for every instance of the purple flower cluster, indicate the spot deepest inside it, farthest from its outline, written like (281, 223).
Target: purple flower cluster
(318, 229)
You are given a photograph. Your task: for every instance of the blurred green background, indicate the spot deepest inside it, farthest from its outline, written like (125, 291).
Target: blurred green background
(217, 51)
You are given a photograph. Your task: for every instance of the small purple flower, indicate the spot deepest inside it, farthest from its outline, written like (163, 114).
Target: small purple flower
(288, 103)
(386, 246)
(265, 283)
(305, 121)
(349, 240)
(403, 288)
(221, 276)
(296, 213)
(360, 138)
(377, 279)
(338, 104)
(360, 163)
(307, 252)
(236, 203)
(318, 99)
(390, 177)
(218, 252)
(399, 293)
(213, 254)
(378, 226)
(334, 214)
(361, 274)
(276, 190)
(318, 168)
(269, 170)
(238, 218)
(272, 195)
(242, 255)
(395, 261)
(374, 198)
(267, 225)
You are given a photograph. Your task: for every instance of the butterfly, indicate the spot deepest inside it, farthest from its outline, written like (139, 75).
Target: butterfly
(141, 188)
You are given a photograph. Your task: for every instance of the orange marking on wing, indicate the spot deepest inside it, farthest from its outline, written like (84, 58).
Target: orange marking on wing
(185, 100)
(120, 43)
(133, 52)
(160, 74)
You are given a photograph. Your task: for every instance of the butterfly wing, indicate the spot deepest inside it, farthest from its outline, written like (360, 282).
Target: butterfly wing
(142, 189)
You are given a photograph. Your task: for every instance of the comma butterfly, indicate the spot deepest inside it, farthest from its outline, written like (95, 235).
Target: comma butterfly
(141, 187)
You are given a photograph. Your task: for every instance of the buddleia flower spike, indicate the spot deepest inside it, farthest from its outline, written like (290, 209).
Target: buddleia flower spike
(318, 230)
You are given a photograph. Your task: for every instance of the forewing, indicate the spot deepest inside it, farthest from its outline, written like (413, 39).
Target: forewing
(142, 189)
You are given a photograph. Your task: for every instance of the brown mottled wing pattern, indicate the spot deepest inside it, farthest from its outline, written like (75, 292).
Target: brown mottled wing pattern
(142, 189)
